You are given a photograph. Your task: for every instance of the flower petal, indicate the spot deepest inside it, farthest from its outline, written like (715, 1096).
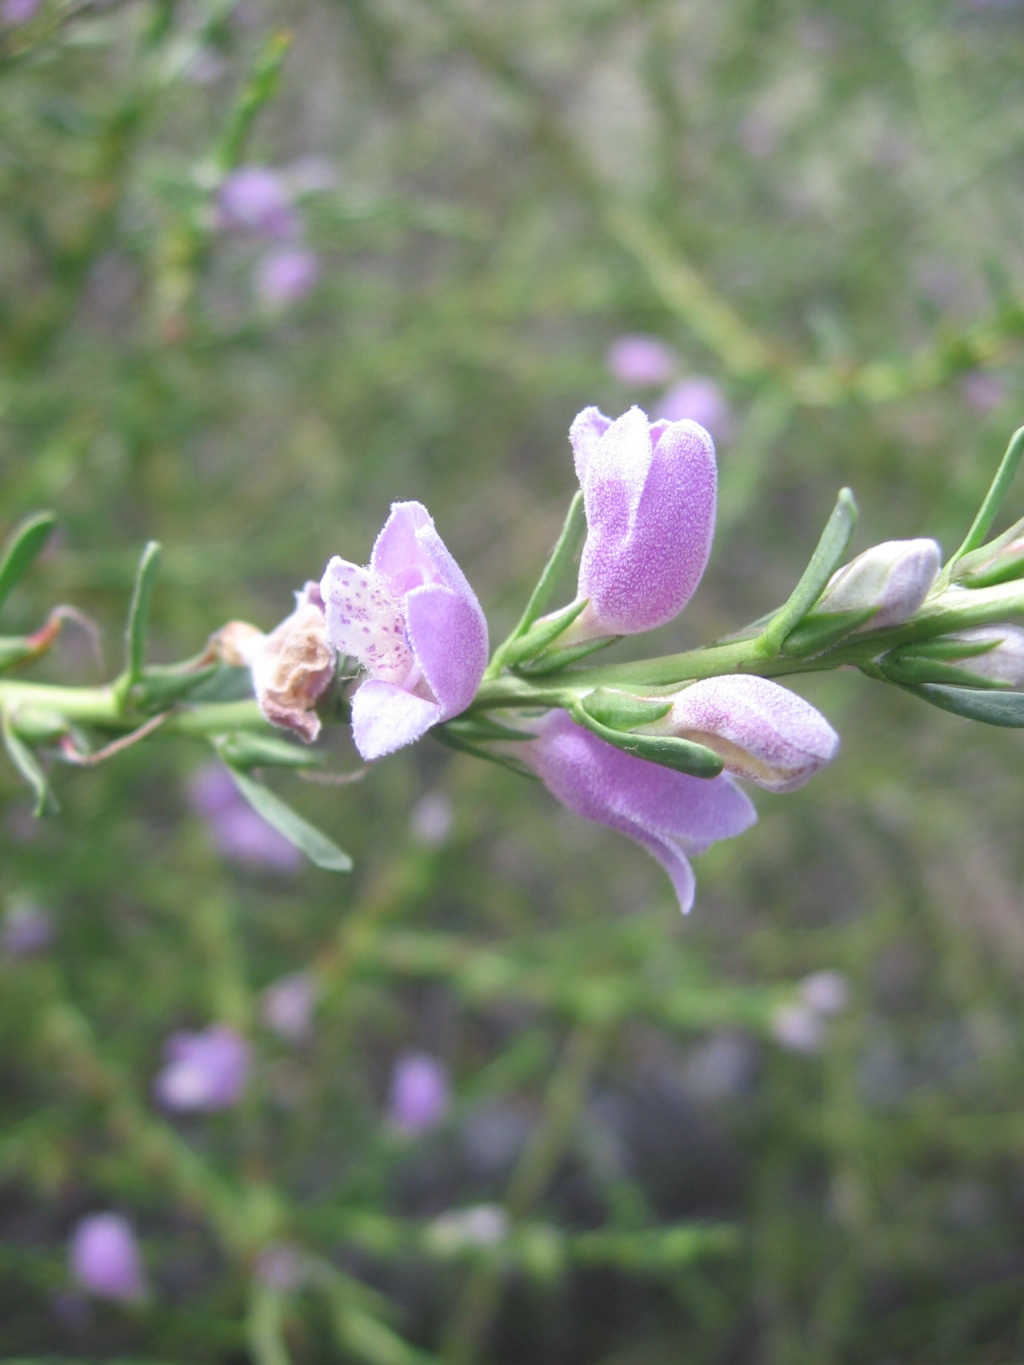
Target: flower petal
(385, 717)
(584, 434)
(448, 634)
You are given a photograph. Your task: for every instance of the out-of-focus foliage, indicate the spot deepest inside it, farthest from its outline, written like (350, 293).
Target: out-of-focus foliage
(819, 207)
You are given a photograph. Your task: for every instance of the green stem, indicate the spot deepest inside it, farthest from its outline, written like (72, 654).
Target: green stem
(100, 706)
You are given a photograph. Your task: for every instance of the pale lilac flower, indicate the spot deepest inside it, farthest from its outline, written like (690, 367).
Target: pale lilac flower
(893, 578)
(27, 929)
(644, 361)
(205, 1071)
(825, 992)
(798, 1027)
(105, 1258)
(420, 1093)
(255, 200)
(481, 1225)
(982, 390)
(281, 1266)
(699, 400)
(16, 12)
(649, 493)
(760, 730)
(670, 814)
(414, 623)
(240, 835)
(287, 1006)
(431, 820)
(1004, 662)
(291, 667)
(286, 276)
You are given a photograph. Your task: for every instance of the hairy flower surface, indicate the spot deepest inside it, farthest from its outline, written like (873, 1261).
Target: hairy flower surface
(413, 622)
(894, 578)
(105, 1258)
(760, 730)
(672, 815)
(205, 1071)
(649, 492)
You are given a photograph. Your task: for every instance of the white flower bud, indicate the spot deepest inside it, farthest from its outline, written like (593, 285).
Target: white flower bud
(1004, 662)
(894, 578)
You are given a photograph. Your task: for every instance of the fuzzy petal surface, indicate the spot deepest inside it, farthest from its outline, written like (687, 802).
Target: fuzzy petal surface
(386, 717)
(761, 730)
(449, 638)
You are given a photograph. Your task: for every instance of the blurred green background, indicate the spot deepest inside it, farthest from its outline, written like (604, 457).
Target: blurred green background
(819, 208)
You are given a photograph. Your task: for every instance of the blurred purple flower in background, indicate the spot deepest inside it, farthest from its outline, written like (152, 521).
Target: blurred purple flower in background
(205, 1071)
(420, 1093)
(286, 276)
(256, 201)
(27, 929)
(414, 623)
(982, 390)
(16, 12)
(643, 361)
(287, 1005)
(826, 992)
(431, 820)
(798, 1028)
(105, 1258)
(240, 835)
(699, 400)
(281, 1266)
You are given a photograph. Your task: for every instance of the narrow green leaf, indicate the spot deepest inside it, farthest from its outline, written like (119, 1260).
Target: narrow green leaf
(257, 92)
(667, 750)
(453, 739)
(991, 708)
(556, 659)
(25, 761)
(993, 499)
(827, 557)
(313, 843)
(163, 685)
(822, 629)
(22, 548)
(138, 613)
(539, 636)
(244, 750)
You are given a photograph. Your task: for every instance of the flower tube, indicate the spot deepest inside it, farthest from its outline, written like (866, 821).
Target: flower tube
(414, 623)
(670, 814)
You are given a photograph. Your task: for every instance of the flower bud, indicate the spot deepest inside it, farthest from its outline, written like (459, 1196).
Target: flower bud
(1003, 663)
(105, 1258)
(760, 730)
(893, 578)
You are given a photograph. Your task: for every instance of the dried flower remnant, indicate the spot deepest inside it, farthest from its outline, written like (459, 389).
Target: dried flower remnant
(760, 730)
(105, 1258)
(649, 494)
(670, 814)
(291, 667)
(241, 835)
(643, 361)
(413, 622)
(893, 578)
(419, 1095)
(205, 1071)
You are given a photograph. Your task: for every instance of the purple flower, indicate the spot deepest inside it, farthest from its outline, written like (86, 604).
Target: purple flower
(642, 360)
(431, 820)
(420, 1093)
(414, 623)
(287, 1006)
(697, 400)
(798, 1027)
(672, 815)
(205, 1071)
(649, 494)
(240, 835)
(16, 12)
(893, 579)
(760, 730)
(982, 390)
(286, 276)
(105, 1258)
(255, 200)
(27, 930)
(825, 992)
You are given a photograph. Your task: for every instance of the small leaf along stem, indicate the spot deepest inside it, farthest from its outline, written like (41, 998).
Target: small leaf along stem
(982, 523)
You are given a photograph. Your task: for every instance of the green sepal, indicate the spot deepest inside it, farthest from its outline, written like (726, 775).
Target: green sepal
(623, 710)
(667, 750)
(1001, 571)
(480, 729)
(25, 761)
(22, 549)
(162, 685)
(138, 619)
(243, 750)
(317, 847)
(38, 724)
(943, 649)
(823, 629)
(913, 672)
(556, 659)
(544, 633)
(991, 708)
(452, 739)
(827, 557)
(15, 649)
